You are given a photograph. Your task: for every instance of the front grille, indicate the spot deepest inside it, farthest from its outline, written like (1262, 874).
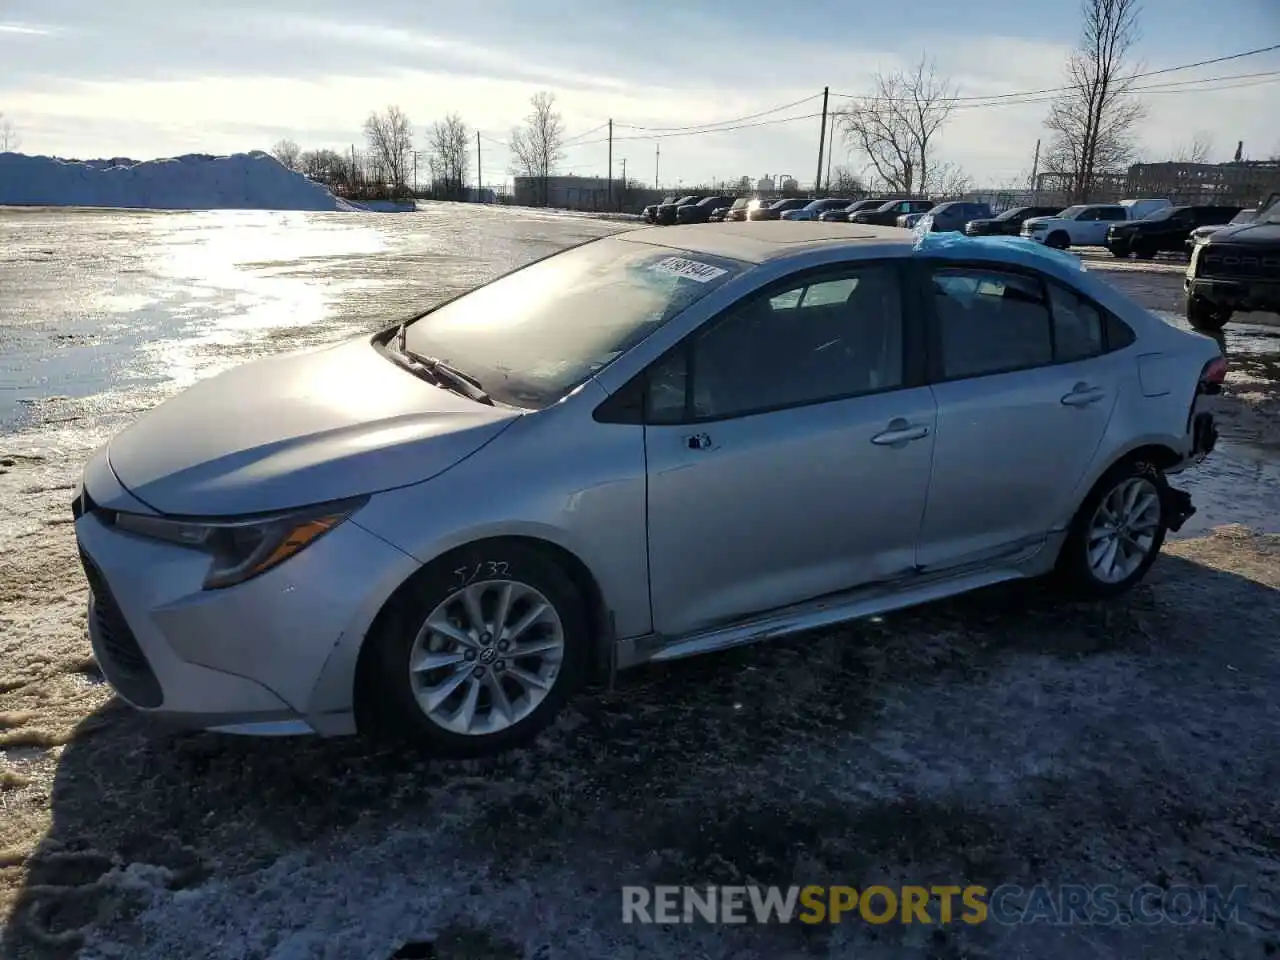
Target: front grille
(1239, 263)
(126, 666)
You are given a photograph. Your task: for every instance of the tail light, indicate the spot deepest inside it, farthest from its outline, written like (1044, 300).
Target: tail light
(1213, 375)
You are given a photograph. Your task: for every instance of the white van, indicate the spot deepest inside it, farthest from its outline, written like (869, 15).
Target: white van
(1141, 209)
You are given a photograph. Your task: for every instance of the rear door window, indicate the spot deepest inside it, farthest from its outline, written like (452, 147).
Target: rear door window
(990, 321)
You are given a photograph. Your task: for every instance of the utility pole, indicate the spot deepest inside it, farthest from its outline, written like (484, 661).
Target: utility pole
(622, 196)
(822, 140)
(1035, 174)
(609, 195)
(657, 155)
(831, 151)
(415, 172)
(479, 175)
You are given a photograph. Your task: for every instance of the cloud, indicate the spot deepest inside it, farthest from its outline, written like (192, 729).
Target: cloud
(123, 79)
(25, 29)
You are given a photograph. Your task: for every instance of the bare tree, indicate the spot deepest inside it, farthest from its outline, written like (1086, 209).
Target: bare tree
(449, 151)
(390, 138)
(846, 183)
(287, 152)
(9, 139)
(322, 165)
(1092, 123)
(950, 180)
(897, 125)
(538, 146)
(1196, 150)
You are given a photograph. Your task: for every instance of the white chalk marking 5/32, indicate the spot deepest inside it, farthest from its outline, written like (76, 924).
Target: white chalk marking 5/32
(683, 267)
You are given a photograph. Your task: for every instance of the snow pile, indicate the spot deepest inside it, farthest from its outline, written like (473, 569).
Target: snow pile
(241, 181)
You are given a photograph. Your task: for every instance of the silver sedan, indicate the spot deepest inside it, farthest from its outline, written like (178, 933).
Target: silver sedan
(656, 444)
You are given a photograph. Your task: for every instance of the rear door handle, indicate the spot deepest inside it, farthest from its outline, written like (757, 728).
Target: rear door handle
(900, 432)
(1083, 395)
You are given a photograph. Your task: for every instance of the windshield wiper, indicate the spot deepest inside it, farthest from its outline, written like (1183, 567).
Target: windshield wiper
(442, 373)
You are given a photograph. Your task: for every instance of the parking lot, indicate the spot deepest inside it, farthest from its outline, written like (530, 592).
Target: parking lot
(1000, 738)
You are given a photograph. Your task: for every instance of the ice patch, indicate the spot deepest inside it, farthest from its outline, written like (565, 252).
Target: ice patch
(241, 181)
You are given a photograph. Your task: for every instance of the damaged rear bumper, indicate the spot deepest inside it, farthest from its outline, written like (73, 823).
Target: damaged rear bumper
(1204, 437)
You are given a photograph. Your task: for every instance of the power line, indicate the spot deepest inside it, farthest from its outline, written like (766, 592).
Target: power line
(1176, 86)
(1046, 90)
(690, 133)
(588, 133)
(714, 123)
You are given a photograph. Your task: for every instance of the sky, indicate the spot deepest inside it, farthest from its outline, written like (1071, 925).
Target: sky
(154, 78)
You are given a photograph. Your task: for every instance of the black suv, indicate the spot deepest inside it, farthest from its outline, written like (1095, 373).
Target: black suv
(650, 213)
(1164, 230)
(700, 212)
(1008, 223)
(666, 212)
(887, 214)
(1237, 269)
(774, 210)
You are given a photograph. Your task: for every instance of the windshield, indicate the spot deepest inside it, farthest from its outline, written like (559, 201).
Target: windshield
(1271, 214)
(1072, 212)
(1010, 214)
(1164, 213)
(532, 336)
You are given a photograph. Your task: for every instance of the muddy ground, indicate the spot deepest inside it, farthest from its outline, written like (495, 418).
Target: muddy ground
(997, 738)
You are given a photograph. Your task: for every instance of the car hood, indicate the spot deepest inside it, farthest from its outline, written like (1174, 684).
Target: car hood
(296, 430)
(1032, 221)
(1261, 234)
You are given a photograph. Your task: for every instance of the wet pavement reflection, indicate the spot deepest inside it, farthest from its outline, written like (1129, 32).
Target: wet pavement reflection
(106, 313)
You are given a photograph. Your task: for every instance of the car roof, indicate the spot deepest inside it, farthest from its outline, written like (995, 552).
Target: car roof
(760, 241)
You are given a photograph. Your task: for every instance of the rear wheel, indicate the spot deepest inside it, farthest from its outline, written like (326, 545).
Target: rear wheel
(478, 653)
(1058, 240)
(1206, 316)
(1117, 532)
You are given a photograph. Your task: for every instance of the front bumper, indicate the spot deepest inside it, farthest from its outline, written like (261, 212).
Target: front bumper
(246, 659)
(1244, 295)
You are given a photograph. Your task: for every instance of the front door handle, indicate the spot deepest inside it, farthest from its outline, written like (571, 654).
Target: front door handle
(1083, 395)
(900, 431)
(698, 441)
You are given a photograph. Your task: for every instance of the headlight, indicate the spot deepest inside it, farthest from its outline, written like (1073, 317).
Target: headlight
(243, 549)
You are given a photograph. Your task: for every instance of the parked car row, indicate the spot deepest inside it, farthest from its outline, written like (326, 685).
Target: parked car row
(1235, 268)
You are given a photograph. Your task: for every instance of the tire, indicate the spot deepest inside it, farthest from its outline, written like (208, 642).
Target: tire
(1075, 570)
(1059, 240)
(1120, 252)
(1203, 315)
(397, 697)
(1144, 252)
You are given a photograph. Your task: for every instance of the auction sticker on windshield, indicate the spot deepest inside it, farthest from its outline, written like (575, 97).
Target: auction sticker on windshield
(683, 267)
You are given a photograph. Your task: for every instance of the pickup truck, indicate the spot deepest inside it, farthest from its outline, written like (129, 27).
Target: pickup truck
(1235, 270)
(1086, 224)
(1165, 230)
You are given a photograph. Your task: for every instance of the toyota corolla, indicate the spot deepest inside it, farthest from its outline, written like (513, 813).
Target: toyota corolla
(652, 445)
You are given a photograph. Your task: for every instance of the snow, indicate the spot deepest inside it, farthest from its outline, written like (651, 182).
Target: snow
(240, 181)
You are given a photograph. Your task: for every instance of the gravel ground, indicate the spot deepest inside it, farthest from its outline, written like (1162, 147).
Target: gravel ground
(996, 738)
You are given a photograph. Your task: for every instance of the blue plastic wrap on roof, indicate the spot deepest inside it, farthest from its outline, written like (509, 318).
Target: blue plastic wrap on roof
(956, 241)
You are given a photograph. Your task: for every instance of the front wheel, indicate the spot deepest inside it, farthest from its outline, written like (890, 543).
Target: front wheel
(477, 654)
(1206, 316)
(1058, 240)
(1117, 532)
(1144, 252)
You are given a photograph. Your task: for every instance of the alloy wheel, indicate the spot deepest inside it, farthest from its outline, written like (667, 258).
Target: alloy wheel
(486, 657)
(1124, 530)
